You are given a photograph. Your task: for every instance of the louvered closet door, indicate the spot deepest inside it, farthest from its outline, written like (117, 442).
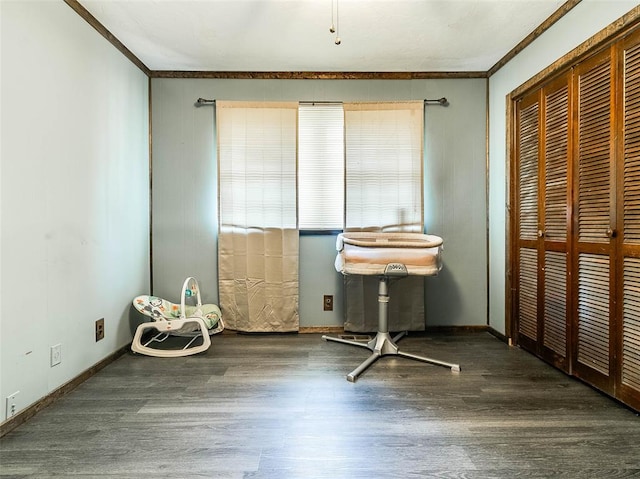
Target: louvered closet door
(542, 148)
(556, 197)
(527, 222)
(594, 207)
(628, 380)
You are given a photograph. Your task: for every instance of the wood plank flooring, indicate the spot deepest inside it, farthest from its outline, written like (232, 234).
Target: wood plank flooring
(280, 407)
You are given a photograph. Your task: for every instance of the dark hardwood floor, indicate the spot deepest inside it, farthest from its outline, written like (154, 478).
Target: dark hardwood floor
(280, 407)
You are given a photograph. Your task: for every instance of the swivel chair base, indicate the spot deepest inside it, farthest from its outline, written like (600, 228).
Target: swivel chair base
(382, 344)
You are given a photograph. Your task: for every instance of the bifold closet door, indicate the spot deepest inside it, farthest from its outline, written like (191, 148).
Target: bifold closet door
(594, 222)
(542, 149)
(527, 200)
(555, 196)
(576, 220)
(628, 351)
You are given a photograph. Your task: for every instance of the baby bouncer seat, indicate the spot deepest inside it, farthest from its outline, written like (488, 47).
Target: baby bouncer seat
(169, 319)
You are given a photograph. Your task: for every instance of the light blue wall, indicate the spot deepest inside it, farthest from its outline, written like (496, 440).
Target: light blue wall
(185, 194)
(582, 22)
(74, 196)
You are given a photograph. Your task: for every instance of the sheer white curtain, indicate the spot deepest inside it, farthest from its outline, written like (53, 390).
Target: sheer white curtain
(258, 240)
(383, 151)
(384, 192)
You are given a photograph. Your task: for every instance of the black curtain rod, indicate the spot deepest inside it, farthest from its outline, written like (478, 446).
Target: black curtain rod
(440, 101)
(204, 101)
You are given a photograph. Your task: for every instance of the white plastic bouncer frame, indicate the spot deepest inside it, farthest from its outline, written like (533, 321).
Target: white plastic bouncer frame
(166, 327)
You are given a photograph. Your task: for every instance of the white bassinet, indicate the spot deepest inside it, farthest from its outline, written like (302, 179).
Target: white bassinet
(388, 256)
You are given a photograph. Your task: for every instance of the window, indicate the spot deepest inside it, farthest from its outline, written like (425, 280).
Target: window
(320, 166)
(370, 152)
(358, 163)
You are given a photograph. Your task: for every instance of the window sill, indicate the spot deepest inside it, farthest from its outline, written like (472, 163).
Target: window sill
(320, 232)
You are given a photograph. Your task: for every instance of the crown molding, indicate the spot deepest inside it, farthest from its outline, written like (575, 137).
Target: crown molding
(529, 39)
(111, 38)
(245, 75)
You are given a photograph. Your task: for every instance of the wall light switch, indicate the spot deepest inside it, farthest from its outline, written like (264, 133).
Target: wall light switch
(12, 407)
(56, 354)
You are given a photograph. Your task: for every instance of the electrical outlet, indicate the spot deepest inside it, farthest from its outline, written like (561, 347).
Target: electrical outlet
(99, 329)
(56, 355)
(328, 302)
(12, 407)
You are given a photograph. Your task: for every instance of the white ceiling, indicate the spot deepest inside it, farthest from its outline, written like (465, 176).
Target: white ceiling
(293, 35)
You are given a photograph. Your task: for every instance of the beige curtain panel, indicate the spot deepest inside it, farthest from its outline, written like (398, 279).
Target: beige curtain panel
(258, 271)
(258, 244)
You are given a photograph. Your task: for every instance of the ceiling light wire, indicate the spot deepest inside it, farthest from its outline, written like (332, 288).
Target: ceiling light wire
(332, 28)
(338, 41)
(335, 21)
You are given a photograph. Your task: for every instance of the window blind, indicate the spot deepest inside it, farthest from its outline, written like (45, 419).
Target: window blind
(257, 148)
(321, 166)
(383, 156)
